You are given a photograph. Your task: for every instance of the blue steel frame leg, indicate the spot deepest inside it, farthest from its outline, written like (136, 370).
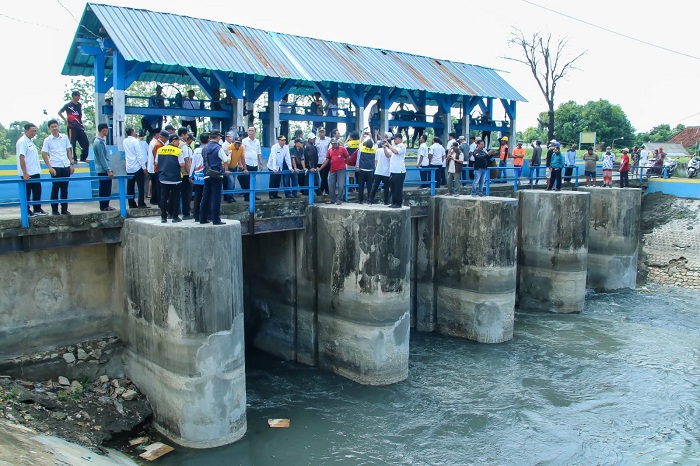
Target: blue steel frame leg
(24, 212)
(432, 181)
(122, 197)
(251, 193)
(576, 174)
(311, 184)
(488, 182)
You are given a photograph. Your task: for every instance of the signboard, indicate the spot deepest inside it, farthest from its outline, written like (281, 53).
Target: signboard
(587, 138)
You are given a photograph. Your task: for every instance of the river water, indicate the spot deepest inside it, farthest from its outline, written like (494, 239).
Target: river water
(616, 384)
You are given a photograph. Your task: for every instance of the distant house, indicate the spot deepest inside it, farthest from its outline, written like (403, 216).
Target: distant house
(688, 138)
(674, 150)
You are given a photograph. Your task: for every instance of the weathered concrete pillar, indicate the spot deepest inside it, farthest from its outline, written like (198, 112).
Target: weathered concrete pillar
(425, 243)
(476, 267)
(363, 261)
(184, 327)
(553, 250)
(613, 237)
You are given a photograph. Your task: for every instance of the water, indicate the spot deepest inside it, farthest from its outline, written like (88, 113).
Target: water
(617, 384)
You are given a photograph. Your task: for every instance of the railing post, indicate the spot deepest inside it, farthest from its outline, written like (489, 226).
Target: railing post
(432, 181)
(23, 207)
(347, 181)
(515, 179)
(576, 173)
(488, 182)
(311, 185)
(122, 196)
(251, 193)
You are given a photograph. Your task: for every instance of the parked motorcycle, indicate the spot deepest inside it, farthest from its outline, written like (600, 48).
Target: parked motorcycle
(693, 167)
(670, 166)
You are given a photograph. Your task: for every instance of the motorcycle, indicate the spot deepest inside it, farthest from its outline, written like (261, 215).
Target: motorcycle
(669, 167)
(693, 167)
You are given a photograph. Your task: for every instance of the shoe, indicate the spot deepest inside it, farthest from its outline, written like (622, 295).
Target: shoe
(257, 198)
(177, 220)
(481, 195)
(32, 214)
(144, 206)
(133, 206)
(170, 216)
(329, 201)
(163, 220)
(204, 222)
(55, 212)
(187, 217)
(152, 202)
(394, 206)
(219, 223)
(338, 202)
(41, 213)
(473, 194)
(65, 212)
(108, 209)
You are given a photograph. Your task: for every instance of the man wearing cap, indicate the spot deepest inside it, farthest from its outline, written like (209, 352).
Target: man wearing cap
(296, 153)
(536, 161)
(135, 168)
(171, 168)
(482, 160)
(190, 104)
(156, 143)
(518, 158)
(316, 108)
(590, 161)
(214, 157)
(464, 149)
(336, 160)
(76, 130)
(472, 148)
(365, 168)
(323, 144)
(625, 169)
(185, 186)
(436, 153)
(310, 161)
(279, 157)
(252, 154)
(556, 166)
(503, 158)
(154, 123)
(569, 162)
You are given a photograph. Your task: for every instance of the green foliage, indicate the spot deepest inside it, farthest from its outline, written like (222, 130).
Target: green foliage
(86, 86)
(532, 134)
(607, 120)
(6, 146)
(660, 133)
(10, 395)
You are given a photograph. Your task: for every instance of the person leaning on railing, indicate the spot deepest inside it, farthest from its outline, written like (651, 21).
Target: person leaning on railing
(102, 165)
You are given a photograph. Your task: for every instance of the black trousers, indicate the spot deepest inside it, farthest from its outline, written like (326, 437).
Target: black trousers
(567, 173)
(364, 178)
(192, 124)
(439, 175)
(323, 181)
(396, 182)
(624, 179)
(60, 187)
(375, 185)
(417, 133)
(555, 179)
(186, 194)
(138, 178)
(244, 180)
(155, 188)
(77, 135)
(275, 182)
(198, 191)
(34, 192)
(105, 190)
(169, 200)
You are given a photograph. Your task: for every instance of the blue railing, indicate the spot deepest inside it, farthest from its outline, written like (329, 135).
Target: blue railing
(24, 203)
(537, 177)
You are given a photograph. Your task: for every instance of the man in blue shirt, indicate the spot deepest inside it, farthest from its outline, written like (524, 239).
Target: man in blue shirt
(570, 162)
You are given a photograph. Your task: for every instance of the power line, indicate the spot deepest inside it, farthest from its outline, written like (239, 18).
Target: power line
(30, 23)
(612, 31)
(69, 12)
(686, 118)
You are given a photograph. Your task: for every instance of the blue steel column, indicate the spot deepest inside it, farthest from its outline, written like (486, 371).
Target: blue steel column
(119, 81)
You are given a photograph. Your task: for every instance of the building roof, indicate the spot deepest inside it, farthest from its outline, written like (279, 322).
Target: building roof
(168, 42)
(671, 149)
(689, 137)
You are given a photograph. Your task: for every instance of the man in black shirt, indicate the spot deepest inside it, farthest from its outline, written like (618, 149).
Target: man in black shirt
(76, 131)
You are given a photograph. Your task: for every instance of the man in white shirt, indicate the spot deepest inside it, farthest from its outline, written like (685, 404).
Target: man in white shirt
(57, 153)
(253, 160)
(279, 155)
(643, 158)
(397, 169)
(436, 154)
(423, 161)
(197, 182)
(28, 166)
(185, 186)
(190, 104)
(323, 144)
(136, 168)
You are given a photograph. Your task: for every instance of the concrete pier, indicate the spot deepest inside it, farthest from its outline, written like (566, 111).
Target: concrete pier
(183, 327)
(476, 267)
(613, 237)
(553, 250)
(362, 271)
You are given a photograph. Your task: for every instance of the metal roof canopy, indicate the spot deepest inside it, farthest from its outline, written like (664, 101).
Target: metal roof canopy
(167, 43)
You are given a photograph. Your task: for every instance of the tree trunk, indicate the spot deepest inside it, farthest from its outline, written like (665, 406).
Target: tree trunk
(550, 122)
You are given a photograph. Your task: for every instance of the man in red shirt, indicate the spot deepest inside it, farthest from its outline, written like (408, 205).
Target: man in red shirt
(337, 157)
(625, 169)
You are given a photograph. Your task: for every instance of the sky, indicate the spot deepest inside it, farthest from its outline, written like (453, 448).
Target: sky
(651, 82)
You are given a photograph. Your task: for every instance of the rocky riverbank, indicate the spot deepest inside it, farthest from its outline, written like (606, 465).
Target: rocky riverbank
(670, 241)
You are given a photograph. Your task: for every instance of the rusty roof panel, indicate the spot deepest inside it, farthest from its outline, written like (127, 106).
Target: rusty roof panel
(140, 35)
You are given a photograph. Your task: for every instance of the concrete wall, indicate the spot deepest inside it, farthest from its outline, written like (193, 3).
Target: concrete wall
(553, 250)
(476, 267)
(614, 233)
(183, 327)
(57, 297)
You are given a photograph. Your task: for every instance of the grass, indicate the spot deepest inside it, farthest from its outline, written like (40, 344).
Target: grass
(10, 160)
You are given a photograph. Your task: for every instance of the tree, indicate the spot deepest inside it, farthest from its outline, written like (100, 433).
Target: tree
(547, 64)
(660, 133)
(86, 87)
(607, 120)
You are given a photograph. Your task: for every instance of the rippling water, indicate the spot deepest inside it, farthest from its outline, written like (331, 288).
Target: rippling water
(617, 384)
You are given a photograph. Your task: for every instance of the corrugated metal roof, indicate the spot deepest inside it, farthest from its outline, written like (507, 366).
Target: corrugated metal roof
(140, 35)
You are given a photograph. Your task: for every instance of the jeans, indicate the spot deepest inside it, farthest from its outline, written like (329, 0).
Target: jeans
(479, 180)
(138, 178)
(229, 184)
(337, 180)
(534, 172)
(244, 180)
(62, 186)
(34, 193)
(211, 201)
(375, 185)
(186, 194)
(364, 178)
(291, 180)
(502, 173)
(170, 200)
(396, 182)
(105, 190)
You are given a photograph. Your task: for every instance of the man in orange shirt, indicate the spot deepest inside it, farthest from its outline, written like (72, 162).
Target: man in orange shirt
(518, 159)
(503, 154)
